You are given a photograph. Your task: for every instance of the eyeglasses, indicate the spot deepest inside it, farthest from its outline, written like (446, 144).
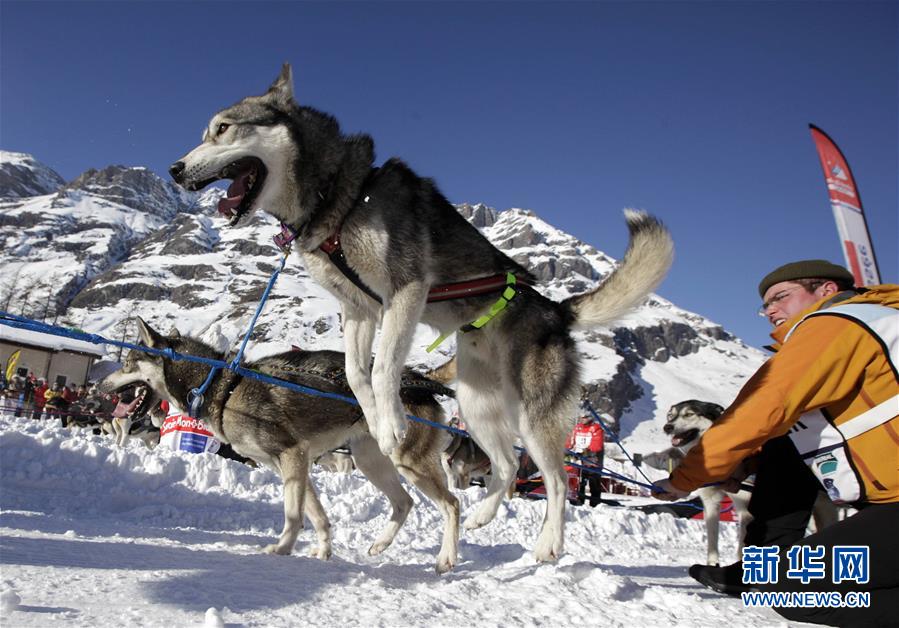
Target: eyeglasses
(777, 298)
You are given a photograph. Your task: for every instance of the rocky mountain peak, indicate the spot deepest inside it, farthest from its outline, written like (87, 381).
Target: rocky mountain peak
(21, 175)
(478, 214)
(135, 187)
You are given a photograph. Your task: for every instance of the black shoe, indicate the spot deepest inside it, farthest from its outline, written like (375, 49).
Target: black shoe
(727, 580)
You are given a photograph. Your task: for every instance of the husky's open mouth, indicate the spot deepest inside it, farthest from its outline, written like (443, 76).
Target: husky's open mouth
(683, 438)
(141, 392)
(247, 178)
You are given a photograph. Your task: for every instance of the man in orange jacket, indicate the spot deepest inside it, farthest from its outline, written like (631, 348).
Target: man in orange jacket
(822, 413)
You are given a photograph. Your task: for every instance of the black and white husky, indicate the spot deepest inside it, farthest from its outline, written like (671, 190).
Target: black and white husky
(287, 430)
(395, 253)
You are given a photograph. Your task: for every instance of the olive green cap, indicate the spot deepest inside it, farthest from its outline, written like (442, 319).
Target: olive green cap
(805, 269)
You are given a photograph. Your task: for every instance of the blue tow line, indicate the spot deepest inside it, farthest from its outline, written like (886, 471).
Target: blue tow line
(195, 398)
(196, 395)
(617, 441)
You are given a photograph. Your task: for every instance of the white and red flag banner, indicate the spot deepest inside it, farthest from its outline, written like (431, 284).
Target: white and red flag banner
(847, 210)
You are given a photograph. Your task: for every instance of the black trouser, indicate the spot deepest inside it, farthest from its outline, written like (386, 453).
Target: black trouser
(591, 478)
(781, 505)
(874, 526)
(783, 497)
(595, 488)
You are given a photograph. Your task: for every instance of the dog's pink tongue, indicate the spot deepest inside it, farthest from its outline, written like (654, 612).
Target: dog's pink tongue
(236, 192)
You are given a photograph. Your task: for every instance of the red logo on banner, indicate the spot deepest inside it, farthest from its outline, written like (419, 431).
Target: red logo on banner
(847, 210)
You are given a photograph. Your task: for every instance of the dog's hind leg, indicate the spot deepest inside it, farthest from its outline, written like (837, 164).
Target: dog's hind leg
(321, 524)
(401, 314)
(545, 442)
(293, 466)
(547, 382)
(380, 471)
(485, 413)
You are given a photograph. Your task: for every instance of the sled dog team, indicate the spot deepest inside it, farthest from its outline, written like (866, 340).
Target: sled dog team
(394, 252)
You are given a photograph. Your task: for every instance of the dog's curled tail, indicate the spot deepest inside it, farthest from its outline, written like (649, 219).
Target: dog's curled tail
(649, 255)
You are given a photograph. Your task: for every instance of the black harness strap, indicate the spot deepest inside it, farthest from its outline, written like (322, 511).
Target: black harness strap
(331, 247)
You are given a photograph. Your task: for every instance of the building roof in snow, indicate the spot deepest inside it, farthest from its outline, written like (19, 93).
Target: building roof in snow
(48, 341)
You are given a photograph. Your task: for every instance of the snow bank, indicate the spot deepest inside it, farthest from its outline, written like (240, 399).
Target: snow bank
(97, 535)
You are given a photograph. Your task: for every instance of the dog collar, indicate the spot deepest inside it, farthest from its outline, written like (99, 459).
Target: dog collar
(284, 239)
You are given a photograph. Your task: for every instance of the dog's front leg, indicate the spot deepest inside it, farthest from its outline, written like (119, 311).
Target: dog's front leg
(358, 337)
(293, 465)
(711, 506)
(401, 314)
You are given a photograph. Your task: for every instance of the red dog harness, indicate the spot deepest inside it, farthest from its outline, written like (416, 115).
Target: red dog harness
(444, 292)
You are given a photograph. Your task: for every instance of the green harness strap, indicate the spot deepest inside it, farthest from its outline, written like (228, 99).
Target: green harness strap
(507, 295)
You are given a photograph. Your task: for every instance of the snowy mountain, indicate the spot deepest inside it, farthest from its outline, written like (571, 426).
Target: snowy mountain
(22, 175)
(54, 243)
(122, 242)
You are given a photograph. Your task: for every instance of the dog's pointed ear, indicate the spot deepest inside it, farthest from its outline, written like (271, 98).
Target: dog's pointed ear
(714, 410)
(174, 333)
(282, 88)
(149, 336)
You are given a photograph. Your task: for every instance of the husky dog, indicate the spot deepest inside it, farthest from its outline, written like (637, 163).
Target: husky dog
(395, 253)
(128, 414)
(687, 422)
(145, 432)
(287, 430)
(463, 461)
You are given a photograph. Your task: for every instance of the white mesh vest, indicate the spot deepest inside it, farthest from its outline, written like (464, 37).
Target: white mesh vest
(822, 445)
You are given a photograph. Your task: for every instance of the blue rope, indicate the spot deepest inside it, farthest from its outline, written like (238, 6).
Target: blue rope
(195, 398)
(19, 322)
(271, 282)
(615, 440)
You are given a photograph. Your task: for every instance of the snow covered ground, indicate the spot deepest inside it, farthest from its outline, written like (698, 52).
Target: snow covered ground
(95, 535)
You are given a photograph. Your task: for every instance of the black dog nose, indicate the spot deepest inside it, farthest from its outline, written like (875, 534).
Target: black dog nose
(177, 171)
(668, 428)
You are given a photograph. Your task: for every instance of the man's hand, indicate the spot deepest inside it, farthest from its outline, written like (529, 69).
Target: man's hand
(744, 470)
(666, 491)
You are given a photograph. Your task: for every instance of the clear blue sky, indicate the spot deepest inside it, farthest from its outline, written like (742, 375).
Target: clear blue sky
(695, 111)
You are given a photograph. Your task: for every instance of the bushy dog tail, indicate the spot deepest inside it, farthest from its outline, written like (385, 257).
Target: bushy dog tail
(646, 262)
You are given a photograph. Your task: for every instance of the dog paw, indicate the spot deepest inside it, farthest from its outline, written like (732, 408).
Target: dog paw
(479, 519)
(444, 565)
(547, 548)
(377, 547)
(322, 552)
(274, 548)
(389, 437)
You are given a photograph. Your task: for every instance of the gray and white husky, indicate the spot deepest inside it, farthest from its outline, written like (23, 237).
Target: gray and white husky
(395, 253)
(687, 421)
(287, 430)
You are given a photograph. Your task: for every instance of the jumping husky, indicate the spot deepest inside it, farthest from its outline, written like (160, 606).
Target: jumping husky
(395, 252)
(287, 430)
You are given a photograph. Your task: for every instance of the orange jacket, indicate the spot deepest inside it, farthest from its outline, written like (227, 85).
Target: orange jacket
(828, 363)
